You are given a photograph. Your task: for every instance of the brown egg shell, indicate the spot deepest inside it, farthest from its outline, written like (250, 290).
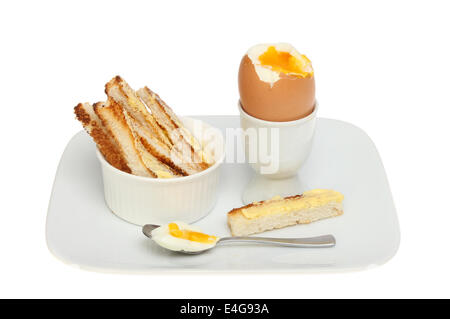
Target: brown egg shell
(289, 99)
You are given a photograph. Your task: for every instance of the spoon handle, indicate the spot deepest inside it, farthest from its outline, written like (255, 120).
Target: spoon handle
(316, 242)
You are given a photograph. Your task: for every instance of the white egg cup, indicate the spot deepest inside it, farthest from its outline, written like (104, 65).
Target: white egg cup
(276, 151)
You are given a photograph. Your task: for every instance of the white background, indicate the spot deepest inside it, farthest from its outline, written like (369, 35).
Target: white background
(383, 66)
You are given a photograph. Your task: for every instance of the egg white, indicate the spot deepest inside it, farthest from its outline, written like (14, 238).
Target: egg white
(265, 74)
(162, 237)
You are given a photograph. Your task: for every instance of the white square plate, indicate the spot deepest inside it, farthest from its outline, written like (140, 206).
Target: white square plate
(82, 231)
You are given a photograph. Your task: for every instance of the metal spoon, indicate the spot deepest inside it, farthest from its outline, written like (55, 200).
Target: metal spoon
(308, 242)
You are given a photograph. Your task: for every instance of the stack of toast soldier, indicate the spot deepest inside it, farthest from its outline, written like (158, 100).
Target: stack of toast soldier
(138, 133)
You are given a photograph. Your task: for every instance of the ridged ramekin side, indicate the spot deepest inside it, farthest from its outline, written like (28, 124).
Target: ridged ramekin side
(142, 203)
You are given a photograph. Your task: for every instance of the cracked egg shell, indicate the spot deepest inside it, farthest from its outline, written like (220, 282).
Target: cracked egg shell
(287, 99)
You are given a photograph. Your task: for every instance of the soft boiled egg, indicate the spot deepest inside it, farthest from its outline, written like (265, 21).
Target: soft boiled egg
(179, 236)
(276, 83)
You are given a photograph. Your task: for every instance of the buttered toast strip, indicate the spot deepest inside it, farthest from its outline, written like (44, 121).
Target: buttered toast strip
(159, 150)
(106, 144)
(160, 169)
(186, 143)
(152, 157)
(113, 119)
(136, 141)
(118, 90)
(281, 212)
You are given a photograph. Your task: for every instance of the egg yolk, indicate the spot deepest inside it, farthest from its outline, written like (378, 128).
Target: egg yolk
(286, 63)
(175, 231)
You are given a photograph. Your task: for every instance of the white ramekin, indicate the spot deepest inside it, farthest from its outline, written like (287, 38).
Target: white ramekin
(143, 200)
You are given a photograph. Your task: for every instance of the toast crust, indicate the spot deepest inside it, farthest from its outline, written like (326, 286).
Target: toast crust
(107, 146)
(239, 209)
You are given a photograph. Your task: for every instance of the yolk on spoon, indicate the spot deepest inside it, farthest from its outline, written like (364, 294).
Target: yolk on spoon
(198, 237)
(285, 62)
